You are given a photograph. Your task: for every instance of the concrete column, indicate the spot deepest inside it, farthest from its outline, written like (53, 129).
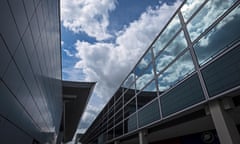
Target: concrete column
(224, 124)
(143, 137)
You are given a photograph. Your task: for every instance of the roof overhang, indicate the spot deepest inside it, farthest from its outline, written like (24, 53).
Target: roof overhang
(75, 98)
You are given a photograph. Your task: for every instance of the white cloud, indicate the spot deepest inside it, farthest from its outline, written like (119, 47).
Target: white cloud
(89, 16)
(109, 63)
(73, 74)
(68, 52)
(190, 7)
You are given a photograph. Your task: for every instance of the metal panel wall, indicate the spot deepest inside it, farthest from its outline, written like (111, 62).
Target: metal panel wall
(219, 77)
(30, 66)
(182, 96)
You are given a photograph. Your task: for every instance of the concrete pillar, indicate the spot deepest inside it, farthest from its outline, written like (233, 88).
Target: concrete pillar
(143, 137)
(224, 124)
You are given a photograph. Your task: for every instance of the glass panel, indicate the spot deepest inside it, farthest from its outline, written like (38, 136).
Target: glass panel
(190, 7)
(148, 75)
(206, 16)
(130, 108)
(130, 124)
(128, 95)
(148, 94)
(110, 134)
(129, 81)
(111, 112)
(222, 35)
(151, 87)
(105, 110)
(110, 123)
(224, 73)
(184, 95)
(101, 138)
(118, 94)
(149, 114)
(119, 130)
(177, 71)
(119, 117)
(167, 35)
(111, 102)
(143, 63)
(119, 104)
(170, 53)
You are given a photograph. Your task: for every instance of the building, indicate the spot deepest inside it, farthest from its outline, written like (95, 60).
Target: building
(75, 98)
(186, 87)
(34, 102)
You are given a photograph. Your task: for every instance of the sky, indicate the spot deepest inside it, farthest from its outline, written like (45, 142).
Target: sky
(103, 40)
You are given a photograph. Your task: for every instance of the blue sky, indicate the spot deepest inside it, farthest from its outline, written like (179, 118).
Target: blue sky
(103, 40)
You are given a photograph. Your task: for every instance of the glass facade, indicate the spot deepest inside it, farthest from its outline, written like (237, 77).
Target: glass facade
(194, 58)
(220, 37)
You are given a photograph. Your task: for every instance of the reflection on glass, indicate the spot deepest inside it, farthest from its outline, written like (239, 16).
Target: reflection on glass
(206, 16)
(145, 78)
(190, 7)
(223, 34)
(167, 35)
(177, 71)
(177, 46)
(143, 63)
(147, 94)
(151, 87)
(128, 82)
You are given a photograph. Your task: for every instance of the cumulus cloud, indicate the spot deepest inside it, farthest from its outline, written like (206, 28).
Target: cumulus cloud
(68, 53)
(87, 16)
(190, 7)
(108, 63)
(73, 74)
